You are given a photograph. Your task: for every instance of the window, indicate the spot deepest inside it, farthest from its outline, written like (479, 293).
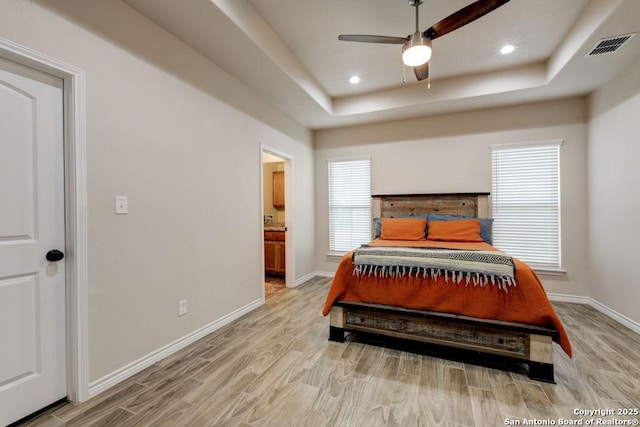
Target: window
(349, 203)
(526, 202)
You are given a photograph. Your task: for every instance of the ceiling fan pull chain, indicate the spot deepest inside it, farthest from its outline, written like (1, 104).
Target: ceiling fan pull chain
(404, 74)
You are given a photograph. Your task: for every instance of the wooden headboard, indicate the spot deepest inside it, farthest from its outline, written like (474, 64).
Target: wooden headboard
(474, 205)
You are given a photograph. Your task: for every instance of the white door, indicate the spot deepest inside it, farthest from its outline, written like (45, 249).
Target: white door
(32, 289)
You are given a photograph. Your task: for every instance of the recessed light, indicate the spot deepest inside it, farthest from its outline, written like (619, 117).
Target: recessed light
(354, 80)
(507, 49)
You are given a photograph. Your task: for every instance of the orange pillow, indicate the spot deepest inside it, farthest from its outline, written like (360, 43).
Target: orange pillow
(403, 228)
(464, 230)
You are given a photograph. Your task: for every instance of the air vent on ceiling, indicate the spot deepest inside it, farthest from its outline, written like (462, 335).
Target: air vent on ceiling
(609, 45)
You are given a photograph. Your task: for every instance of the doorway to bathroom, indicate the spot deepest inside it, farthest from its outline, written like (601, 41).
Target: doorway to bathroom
(276, 227)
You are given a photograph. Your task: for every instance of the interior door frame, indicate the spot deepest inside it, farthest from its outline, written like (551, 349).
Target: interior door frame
(288, 214)
(75, 183)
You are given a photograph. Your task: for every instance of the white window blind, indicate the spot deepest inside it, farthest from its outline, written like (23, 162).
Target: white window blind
(349, 203)
(526, 202)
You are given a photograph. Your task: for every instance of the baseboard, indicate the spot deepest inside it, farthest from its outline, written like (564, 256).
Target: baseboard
(133, 368)
(299, 281)
(324, 273)
(310, 276)
(620, 318)
(569, 298)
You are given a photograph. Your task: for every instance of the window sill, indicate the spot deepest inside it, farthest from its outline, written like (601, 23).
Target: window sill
(335, 256)
(549, 272)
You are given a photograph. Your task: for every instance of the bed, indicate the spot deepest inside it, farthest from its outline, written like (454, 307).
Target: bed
(456, 292)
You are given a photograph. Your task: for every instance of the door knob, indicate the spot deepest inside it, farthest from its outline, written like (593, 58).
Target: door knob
(54, 255)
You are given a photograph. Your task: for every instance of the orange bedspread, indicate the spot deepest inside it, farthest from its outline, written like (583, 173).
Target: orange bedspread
(527, 302)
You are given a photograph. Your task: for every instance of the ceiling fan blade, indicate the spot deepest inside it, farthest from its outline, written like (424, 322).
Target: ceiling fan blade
(463, 17)
(422, 71)
(363, 38)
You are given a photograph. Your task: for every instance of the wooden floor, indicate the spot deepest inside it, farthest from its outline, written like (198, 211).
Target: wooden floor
(275, 367)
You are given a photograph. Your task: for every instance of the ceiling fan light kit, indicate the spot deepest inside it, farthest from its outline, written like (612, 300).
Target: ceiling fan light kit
(416, 48)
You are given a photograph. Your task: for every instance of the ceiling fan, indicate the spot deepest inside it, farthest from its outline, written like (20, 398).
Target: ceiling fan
(416, 48)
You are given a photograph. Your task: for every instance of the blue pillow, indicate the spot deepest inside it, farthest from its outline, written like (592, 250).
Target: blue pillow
(439, 217)
(486, 224)
(378, 223)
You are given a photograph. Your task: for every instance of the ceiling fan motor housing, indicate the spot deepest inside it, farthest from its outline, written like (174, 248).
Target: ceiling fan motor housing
(417, 50)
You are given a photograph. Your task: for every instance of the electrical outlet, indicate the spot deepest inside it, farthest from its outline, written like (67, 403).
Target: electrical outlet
(182, 307)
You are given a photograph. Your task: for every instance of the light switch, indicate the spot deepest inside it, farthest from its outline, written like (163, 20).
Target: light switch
(122, 205)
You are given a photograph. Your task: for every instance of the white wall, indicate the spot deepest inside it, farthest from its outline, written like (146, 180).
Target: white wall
(614, 180)
(159, 116)
(451, 153)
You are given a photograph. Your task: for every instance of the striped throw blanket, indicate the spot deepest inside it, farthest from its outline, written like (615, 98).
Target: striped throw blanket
(471, 267)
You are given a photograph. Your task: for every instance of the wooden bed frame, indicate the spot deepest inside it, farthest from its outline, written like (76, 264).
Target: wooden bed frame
(528, 344)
